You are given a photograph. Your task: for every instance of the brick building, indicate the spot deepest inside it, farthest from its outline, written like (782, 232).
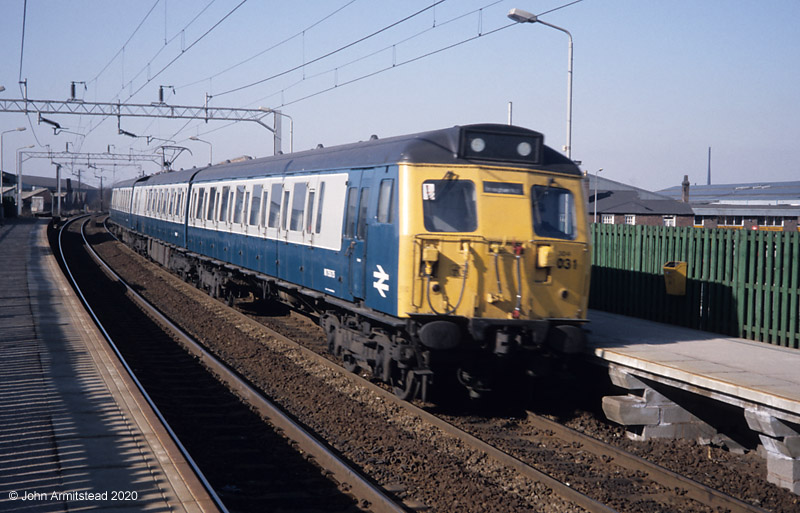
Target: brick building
(618, 203)
(773, 206)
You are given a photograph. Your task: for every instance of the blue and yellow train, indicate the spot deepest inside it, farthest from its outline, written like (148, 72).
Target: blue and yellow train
(459, 254)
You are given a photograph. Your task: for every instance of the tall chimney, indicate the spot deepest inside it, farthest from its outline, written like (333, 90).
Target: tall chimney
(685, 191)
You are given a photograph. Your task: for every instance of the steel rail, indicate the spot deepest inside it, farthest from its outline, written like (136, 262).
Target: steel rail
(694, 489)
(560, 488)
(370, 496)
(214, 497)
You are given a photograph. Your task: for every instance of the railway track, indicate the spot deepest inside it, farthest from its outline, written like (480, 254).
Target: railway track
(249, 464)
(651, 488)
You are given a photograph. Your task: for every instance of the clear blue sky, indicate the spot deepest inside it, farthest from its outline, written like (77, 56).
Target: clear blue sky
(655, 83)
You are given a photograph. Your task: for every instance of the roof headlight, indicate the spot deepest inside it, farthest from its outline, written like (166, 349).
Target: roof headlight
(524, 148)
(477, 144)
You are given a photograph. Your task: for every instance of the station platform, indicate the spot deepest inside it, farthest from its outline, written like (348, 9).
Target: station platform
(75, 433)
(653, 360)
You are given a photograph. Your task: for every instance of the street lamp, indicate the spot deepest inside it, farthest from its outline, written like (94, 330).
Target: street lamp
(210, 148)
(18, 129)
(595, 193)
(19, 177)
(521, 16)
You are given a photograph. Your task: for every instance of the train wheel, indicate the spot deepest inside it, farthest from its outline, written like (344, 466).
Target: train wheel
(331, 333)
(350, 363)
(383, 358)
(405, 384)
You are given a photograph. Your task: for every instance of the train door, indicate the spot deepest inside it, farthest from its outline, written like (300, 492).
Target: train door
(381, 261)
(273, 231)
(355, 230)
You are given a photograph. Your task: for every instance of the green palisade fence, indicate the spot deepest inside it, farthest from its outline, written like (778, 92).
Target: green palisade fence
(740, 283)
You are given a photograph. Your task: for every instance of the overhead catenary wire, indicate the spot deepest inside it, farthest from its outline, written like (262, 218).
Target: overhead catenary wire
(393, 65)
(392, 47)
(22, 42)
(21, 61)
(372, 74)
(398, 64)
(332, 52)
(435, 26)
(166, 43)
(122, 49)
(390, 67)
(270, 48)
(183, 51)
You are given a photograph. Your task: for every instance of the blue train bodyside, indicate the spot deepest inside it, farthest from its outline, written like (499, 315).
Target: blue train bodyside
(305, 237)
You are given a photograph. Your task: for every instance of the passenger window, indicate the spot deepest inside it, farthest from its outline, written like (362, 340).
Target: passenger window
(200, 197)
(275, 205)
(298, 200)
(223, 210)
(255, 206)
(285, 211)
(212, 203)
(238, 205)
(264, 209)
(310, 215)
(449, 206)
(361, 232)
(319, 207)
(350, 216)
(385, 201)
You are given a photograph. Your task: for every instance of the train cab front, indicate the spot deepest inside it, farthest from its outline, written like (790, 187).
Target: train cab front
(501, 264)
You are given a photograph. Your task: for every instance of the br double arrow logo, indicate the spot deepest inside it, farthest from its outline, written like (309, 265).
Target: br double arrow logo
(380, 281)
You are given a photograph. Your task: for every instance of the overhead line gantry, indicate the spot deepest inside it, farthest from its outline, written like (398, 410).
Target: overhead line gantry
(152, 110)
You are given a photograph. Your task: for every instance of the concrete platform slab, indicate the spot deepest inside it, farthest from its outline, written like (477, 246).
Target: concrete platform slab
(754, 372)
(71, 421)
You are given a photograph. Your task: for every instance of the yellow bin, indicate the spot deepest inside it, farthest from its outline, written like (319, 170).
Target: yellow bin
(675, 278)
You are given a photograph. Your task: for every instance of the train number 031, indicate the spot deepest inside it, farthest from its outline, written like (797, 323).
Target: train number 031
(566, 263)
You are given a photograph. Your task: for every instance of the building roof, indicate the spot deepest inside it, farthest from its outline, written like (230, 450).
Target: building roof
(51, 183)
(756, 193)
(618, 198)
(36, 192)
(755, 199)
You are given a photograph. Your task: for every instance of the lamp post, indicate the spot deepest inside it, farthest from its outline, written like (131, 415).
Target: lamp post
(595, 193)
(19, 177)
(521, 16)
(18, 129)
(210, 148)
